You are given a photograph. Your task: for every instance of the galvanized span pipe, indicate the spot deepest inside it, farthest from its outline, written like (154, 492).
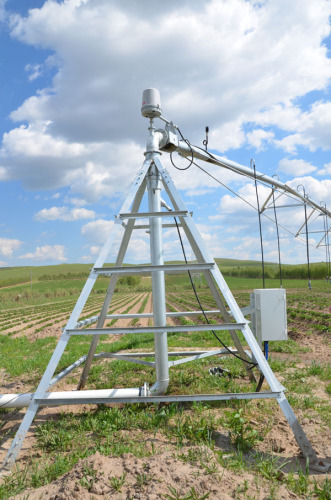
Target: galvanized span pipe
(188, 150)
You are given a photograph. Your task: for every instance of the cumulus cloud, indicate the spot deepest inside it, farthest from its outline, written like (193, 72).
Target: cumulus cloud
(318, 190)
(84, 129)
(326, 170)
(64, 214)
(46, 252)
(8, 246)
(97, 231)
(295, 167)
(240, 67)
(259, 137)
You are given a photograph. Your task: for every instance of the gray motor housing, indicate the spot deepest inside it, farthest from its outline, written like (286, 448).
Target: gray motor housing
(151, 103)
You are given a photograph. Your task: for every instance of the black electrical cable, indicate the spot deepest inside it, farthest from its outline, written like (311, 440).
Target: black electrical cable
(278, 241)
(260, 225)
(247, 202)
(250, 364)
(189, 145)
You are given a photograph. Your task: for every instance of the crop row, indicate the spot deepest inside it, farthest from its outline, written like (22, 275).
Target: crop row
(50, 315)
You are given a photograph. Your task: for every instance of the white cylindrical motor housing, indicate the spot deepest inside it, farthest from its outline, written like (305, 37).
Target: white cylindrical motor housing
(151, 104)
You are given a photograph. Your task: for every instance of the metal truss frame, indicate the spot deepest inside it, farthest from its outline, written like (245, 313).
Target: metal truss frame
(154, 177)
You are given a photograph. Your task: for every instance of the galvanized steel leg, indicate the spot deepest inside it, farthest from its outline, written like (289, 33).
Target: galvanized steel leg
(298, 432)
(49, 372)
(111, 286)
(32, 410)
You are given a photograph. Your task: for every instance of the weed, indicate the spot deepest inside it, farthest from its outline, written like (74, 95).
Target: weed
(299, 483)
(117, 482)
(322, 491)
(194, 430)
(89, 476)
(269, 467)
(191, 495)
(143, 479)
(243, 488)
(241, 433)
(235, 461)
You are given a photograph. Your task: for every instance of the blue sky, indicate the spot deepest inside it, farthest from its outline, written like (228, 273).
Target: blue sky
(72, 136)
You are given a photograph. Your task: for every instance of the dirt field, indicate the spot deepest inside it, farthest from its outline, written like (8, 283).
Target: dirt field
(165, 464)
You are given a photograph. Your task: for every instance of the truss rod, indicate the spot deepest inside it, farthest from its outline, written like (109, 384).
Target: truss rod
(189, 150)
(285, 206)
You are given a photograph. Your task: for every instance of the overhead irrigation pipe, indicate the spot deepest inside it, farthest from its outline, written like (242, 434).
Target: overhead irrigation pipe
(171, 142)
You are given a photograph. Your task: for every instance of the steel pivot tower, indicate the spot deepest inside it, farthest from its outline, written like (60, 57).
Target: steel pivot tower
(152, 176)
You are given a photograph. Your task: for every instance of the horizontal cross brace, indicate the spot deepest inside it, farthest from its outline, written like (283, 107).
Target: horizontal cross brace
(285, 206)
(156, 399)
(311, 232)
(106, 271)
(144, 215)
(195, 356)
(157, 329)
(147, 226)
(168, 314)
(87, 321)
(171, 354)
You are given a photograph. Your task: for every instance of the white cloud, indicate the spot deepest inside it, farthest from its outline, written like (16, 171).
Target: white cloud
(311, 128)
(234, 66)
(34, 71)
(231, 63)
(295, 167)
(78, 202)
(4, 174)
(64, 214)
(97, 231)
(318, 190)
(95, 250)
(259, 137)
(326, 170)
(46, 252)
(8, 246)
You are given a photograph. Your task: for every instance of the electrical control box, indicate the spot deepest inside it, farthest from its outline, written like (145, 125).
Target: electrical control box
(269, 321)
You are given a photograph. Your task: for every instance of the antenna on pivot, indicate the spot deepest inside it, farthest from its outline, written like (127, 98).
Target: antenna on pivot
(205, 142)
(151, 104)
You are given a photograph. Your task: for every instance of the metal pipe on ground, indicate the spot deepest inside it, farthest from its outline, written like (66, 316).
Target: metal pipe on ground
(24, 400)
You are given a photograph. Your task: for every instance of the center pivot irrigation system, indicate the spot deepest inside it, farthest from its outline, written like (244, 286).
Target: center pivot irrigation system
(267, 309)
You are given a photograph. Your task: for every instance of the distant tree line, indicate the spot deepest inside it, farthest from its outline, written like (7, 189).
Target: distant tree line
(317, 271)
(64, 276)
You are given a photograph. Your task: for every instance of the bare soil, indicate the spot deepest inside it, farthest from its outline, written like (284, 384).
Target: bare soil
(163, 472)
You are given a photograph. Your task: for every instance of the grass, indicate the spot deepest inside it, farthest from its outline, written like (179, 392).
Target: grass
(189, 429)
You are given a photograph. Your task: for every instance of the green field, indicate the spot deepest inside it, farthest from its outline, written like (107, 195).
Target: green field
(30, 321)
